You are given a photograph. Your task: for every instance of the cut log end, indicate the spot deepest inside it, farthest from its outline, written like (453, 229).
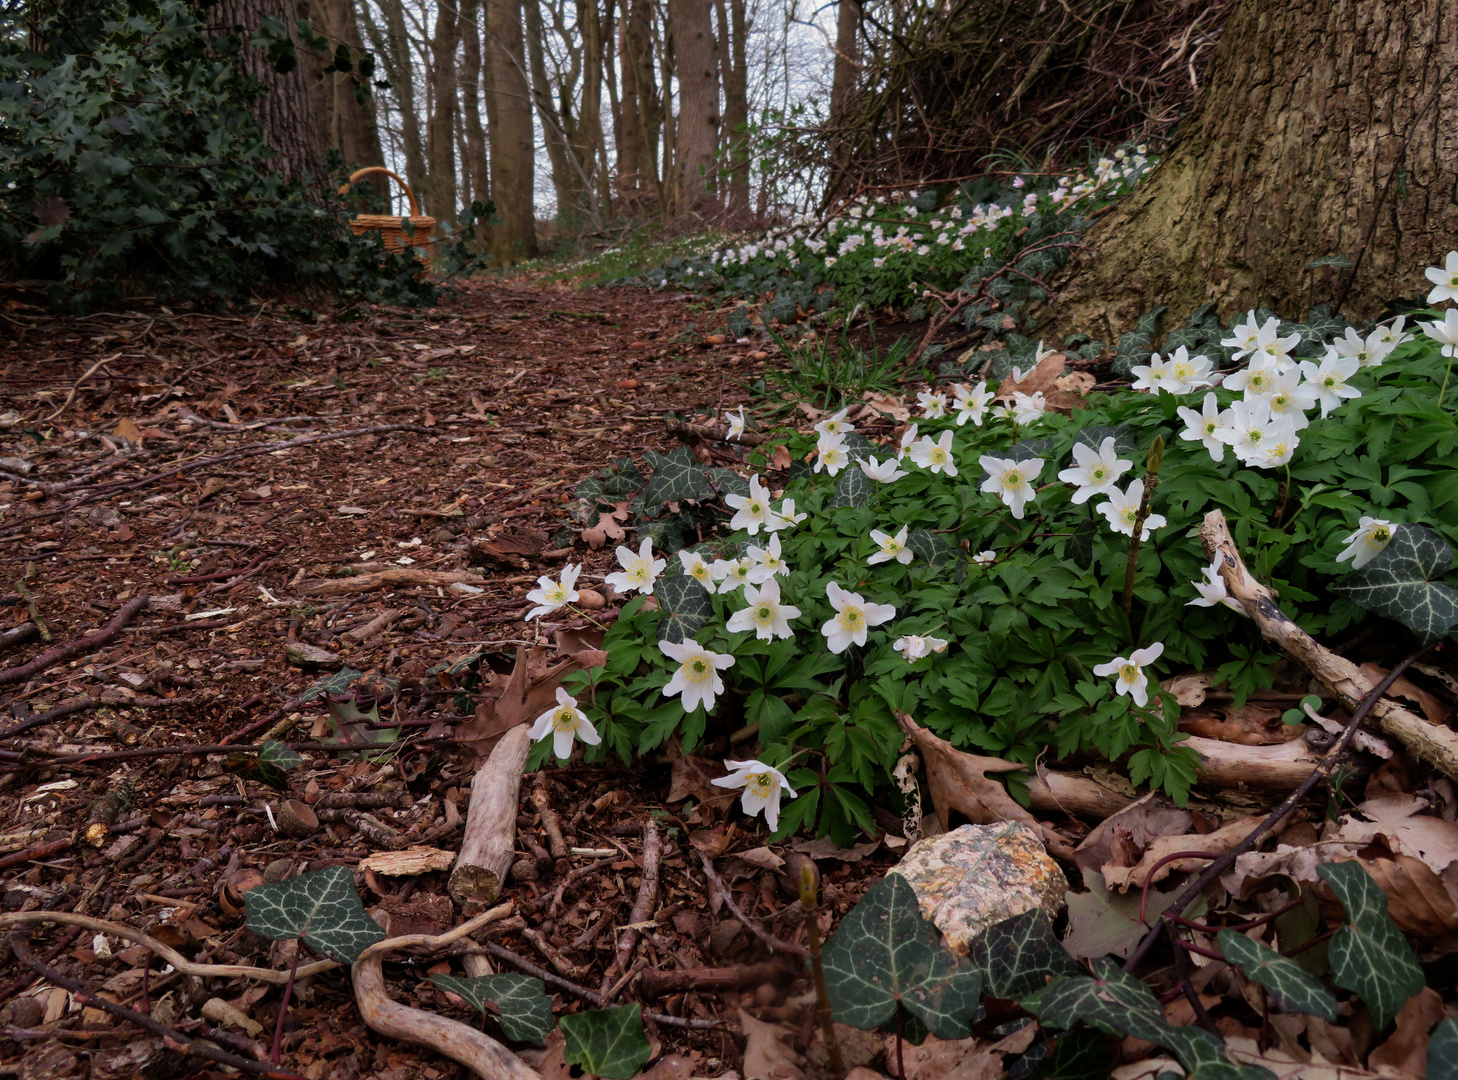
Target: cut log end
(474, 883)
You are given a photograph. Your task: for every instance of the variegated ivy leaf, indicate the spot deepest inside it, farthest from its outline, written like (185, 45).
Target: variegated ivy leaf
(685, 606)
(1443, 1051)
(1369, 956)
(1019, 955)
(885, 954)
(337, 683)
(1294, 989)
(677, 477)
(1114, 1002)
(1405, 582)
(278, 754)
(852, 488)
(522, 1006)
(929, 546)
(608, 1042)
(321, 907)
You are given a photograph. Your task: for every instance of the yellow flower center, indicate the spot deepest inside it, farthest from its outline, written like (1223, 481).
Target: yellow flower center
(1184, 371)
(1099, 474)
(761, 784)
(1380, 535)
(890, 546)
(764, 614)
(638, 571)
(555, 593)
(564, 719)
(1013, 479)
(1129, 673)
(851, 617)
(698, 670)
(1130, 513)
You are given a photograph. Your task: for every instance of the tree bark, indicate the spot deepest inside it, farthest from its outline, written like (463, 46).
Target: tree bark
(1324, 129)
(440, 143)
(695, 179)
(392, 44)
(639, 114)
(345, 124)
(734, 67)
(565, 180)
(475, 156)
(286, 110)
(509, 113)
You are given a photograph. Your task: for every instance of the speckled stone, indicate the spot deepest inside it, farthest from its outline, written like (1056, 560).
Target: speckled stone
(975, 876)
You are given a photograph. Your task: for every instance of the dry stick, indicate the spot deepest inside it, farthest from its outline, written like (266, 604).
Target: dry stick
(74, 648)
(77, 386)
(641, 914)
(171, 1038)
(73, 706)
(753, 927)
(1433, 743)
(674, 426)
(247, 971)
(487, 846)
(591, 997)
(658, 983)
(1321, 772)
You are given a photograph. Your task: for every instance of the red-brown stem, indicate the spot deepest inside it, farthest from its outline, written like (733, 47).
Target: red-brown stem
(283, 1006)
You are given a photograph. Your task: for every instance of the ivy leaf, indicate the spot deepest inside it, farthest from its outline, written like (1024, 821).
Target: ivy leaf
(677, 477)
(853, 488)
(337, 683)
(1296, 990)
(1340, 261)
(1077, 1055)
(929, 546)
(885, 954)
(1443, 1051)
(1019, 955)
(1079, 548)
(1026, 449)
(278, 755)
(321, 907)
(1404, 582)
(1369, 956)
(522, 1006)
(1203, 1057)
(1126, 440)
(351, 724)
(608, 1043)
(1114, 1002)
(685, 607)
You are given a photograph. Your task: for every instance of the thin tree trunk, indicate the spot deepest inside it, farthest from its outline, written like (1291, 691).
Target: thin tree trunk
(698, 110)
(734, 66)
(475, 153)
(440, 146)
(509, 109)
(286, 111)
(1323, 129)
(565, 181)
(392, 43)
(345, 123)
(643, 116)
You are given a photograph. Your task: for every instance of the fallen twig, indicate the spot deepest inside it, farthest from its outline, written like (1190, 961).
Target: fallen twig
(75, 648)
(675, 426)
(753, 927)
(642, 913)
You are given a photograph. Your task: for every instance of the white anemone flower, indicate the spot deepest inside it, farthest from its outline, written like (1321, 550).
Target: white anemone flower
(1011, 481)
(1278, 446)
(1355, 347)
(835, 425)
(1246, 428)
(1255, 379)
(1445, 333)
(550, 595)
(908, 437)
(1371, 538)
(695, 567)
(752, 510)
(1444, 279)
(1150, 376)
(1201, 426)
(732, 573)
(1243, 336)
(1186, 373)
(697, 677)
(785, 517)
(765, 615)
(1289, 398)
(1122, 510)
(639, 569)
(1273, 347)
(1132, 680)
(1212, 590)
(985, 558)
(890, 547)
(913, 647)
(736, 421)
(883, 472)
(1028, 408)
(935, 456)
(1096, 472)
(1328, 380)
(565, 723)
(971, 404)
(933, 404)
(1387, 338)
(831, 454)
(762, 786)
(768, 561)
(853, 617)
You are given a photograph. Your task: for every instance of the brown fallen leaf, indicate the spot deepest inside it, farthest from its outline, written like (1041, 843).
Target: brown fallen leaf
(522, 696)
(1043, 379)
(1405, 1052)
(959, 781)
(1135, 827)
(769, 1052)
(1432, 707)
(1249, 725)
(1417, 899)
(127, 430)
(1217, 843)
(781, 457)
(1077, 382)
(1189, 688)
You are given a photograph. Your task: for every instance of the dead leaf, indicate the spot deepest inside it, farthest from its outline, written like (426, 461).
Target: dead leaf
(1218, 843)
(890, 405)
(1249, 725)
(607, 528)
(1417, 899)
(755, 859)
(522, 696)
(51, 210)
(1190, 688)
(1101, 922)
(1406, 1049)
(826, 848)
(769, 1051)
(1136, 826)
(127, 430)
(671, 1067)
(1395, 820)
(1076, 382)
(1287, 1066)
(958, 780)
(780, 458)
(959, 1059)
(1432, 707)
(1043, 379)
(690, 776)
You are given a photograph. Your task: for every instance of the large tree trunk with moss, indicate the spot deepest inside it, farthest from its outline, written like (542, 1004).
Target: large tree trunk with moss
(509, 115)
(698, 97)
(1324, 129)
(345, 123)
(286, 109)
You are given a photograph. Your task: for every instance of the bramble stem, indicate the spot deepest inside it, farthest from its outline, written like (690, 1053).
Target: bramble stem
(283, 1005)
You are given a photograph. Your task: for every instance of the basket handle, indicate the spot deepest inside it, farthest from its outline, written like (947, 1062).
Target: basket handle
(370, 170)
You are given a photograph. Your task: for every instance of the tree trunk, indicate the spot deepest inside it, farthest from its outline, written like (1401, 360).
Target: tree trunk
(1323, 129)
(736, 103)
(639, 117)
(698, 105)
(566, 182)
(440, 143)
(509, 112)
(286, 111)
(345, 124)
(393, 46)
(475, 156)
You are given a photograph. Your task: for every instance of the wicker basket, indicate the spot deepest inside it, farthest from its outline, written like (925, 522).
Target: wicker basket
(390, 227)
